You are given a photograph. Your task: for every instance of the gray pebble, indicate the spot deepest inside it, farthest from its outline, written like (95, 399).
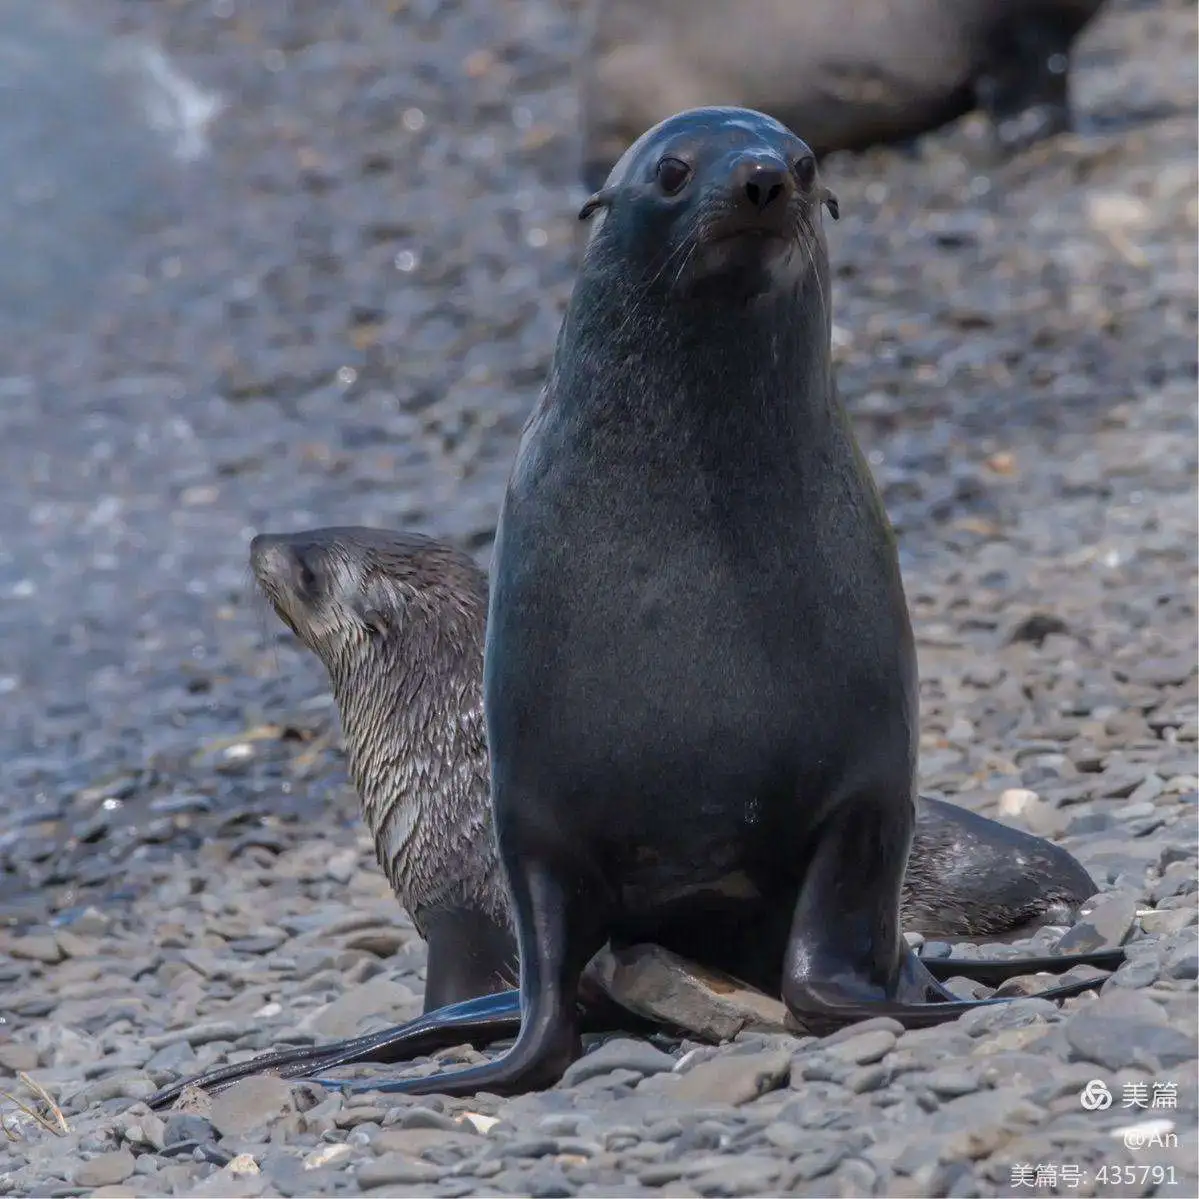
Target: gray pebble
(621, 1053)
(250, 1104)
(733, 1078)
(106, 1169)
(1106, 925)
(183, 1127)
(815, 1163)
(745, 1174)
(1177, 879)
(869, 1078)
(1118, 1043)
(863, 1049)
(396, 1169)
(950, 1082)
(852, 1031)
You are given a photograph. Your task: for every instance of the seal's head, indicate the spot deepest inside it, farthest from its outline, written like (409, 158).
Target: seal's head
(714, 193)
(349, 593)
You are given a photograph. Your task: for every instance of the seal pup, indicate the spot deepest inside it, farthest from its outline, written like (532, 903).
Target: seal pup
(849, 73)
(700, 681)
(398, 620)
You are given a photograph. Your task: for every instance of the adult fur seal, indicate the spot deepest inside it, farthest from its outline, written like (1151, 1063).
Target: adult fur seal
(849, 73)
(700, 678)
(398, 620)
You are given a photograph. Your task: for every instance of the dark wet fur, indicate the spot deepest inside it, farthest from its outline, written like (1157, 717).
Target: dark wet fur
(969, 876)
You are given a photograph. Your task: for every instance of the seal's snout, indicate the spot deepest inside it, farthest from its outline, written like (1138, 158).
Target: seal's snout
(761, 182)
(282, 565)
(268, 556)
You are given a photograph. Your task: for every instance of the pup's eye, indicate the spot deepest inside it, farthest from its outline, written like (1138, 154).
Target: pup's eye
(376, 622)
(805, 171)
(673, 174)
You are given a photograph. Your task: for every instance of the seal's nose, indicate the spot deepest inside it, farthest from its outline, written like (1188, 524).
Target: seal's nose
(761, 182)
(278, 559)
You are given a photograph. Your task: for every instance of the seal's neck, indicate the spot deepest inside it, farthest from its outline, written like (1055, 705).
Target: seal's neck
(758, 364)
(404, 715)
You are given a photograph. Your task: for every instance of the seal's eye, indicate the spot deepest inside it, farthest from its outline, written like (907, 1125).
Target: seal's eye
(805, 171)
(673, 174)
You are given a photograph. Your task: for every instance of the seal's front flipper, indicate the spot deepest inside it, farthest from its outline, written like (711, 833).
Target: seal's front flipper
(559, 921)
(478, 1021)
(846, 960)
(993, 972)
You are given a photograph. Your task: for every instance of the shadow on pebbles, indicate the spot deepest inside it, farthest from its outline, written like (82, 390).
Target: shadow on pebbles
(354, 333)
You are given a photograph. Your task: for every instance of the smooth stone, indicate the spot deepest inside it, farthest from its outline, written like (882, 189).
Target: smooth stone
(414, 1141)
(326, 1155)
(1015, 800)
(869, 1079)
(1130, 1005)
(745, 1174)
(250, 1104)
(1182, 962)
(950, 1082)
(815, 1163)
(1107, 924)
(176, 1059)
(146, 1128)
(1135, 974)
(1005, 1016)
(734, 1079)
(621, 1053)
(865, 1048)
(852, 1031)
(181, 1126)
(1117, 1043)
(1177, 879)
(660, 985)
(105, 1169)
(16, 1056)
(202, 1033)
(379, 998)
(1169, 920)
(393, 1169)
(34, 947)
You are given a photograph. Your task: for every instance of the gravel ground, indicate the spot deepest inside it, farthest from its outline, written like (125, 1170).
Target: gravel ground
(348, 324)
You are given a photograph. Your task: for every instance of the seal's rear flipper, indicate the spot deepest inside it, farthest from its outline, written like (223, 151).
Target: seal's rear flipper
(828, 1008)
(993, 972)
(917, 998)
(478, 1021)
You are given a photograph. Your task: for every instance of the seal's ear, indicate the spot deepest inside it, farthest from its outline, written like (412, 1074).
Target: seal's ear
(832, 204)
(601, 199)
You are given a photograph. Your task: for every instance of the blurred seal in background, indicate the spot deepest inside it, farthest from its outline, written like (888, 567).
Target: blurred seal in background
(847, 74)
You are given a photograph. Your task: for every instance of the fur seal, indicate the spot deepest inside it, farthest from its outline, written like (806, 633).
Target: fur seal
(398, 620)
(849, 73)
(700, 681)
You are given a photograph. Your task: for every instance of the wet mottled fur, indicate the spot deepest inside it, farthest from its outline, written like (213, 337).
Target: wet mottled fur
(397, 620)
